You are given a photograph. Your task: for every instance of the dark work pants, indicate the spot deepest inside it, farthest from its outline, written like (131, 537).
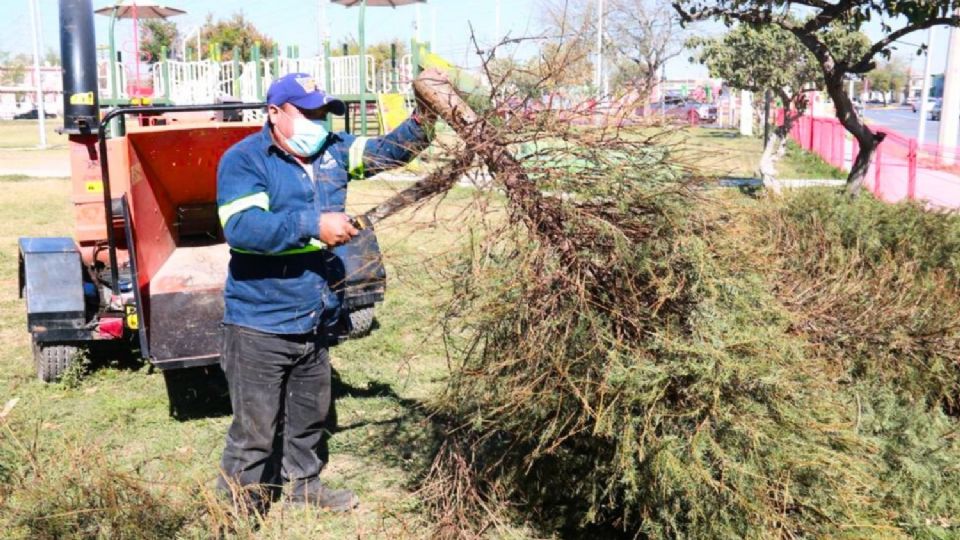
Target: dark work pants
(280, 392)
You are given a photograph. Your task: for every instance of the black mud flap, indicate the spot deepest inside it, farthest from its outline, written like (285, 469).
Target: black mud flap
(51, 281)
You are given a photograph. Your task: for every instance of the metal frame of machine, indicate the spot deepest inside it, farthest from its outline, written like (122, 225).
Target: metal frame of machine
(161, 291)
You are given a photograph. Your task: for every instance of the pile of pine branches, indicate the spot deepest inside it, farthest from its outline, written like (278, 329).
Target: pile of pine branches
(628, 361)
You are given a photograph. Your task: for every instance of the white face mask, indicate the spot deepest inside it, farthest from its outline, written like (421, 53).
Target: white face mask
(308, 136)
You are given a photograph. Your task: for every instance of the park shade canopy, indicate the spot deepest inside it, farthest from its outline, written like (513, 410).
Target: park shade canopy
(140, 9)
(378, 3)
(363, 46)
(136, 10)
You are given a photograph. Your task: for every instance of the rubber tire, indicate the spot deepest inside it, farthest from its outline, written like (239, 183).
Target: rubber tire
(52, 360)
(361, 321)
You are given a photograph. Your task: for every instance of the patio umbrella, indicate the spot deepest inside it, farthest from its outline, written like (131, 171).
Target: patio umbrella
(363, 46)
(136, 10)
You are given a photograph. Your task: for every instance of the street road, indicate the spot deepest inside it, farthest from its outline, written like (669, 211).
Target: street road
(904, 122)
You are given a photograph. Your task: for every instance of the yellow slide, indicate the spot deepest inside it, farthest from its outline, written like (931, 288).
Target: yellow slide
(393, 111)
(463, 81)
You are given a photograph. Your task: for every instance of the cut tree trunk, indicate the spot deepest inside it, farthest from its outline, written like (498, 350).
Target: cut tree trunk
(438, 181)
(527, 204)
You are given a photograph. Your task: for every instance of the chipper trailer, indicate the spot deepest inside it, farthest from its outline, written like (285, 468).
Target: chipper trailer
(148, 262)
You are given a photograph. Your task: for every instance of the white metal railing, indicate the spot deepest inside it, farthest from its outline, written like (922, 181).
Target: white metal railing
(248, 82)
(105, 81)
(404, 76)
(204, 81)
(345, 76)
(192, 82)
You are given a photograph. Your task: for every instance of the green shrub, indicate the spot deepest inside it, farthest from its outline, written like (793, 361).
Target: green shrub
(677, 378)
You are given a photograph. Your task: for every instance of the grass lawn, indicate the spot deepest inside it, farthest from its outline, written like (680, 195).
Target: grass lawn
(121, 411)
(19, 140)
(725, 152)
(24, 133)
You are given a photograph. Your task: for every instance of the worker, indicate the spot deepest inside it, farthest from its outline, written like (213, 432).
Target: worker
(281, 195)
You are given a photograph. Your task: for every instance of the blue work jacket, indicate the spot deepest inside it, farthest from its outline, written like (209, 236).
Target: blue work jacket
(270, 211)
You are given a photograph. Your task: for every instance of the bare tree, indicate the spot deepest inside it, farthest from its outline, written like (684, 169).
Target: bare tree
(639, 37)
(644, 36)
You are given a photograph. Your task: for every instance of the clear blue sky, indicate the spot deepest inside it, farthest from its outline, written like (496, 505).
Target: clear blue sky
(296, 22)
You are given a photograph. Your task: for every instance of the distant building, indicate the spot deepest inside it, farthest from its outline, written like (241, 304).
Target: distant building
(936, 87)
(19, 94)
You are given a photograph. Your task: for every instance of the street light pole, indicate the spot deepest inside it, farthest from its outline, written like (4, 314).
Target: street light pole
(950, 105)
(37, 81)
(925, 91)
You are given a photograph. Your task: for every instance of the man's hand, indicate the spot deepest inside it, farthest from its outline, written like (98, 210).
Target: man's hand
(335, 228)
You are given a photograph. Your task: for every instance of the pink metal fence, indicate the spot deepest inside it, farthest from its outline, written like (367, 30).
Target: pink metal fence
(900, 169)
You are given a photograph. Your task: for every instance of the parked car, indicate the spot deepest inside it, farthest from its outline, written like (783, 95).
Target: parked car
(687, 109)
(33, 115)
(927, 107)
(934, 113)
(858, 107)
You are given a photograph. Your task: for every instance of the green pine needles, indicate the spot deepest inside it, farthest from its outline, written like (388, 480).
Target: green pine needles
(705, 365)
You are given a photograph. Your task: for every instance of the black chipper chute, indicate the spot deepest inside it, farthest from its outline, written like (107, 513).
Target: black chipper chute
(78, 53)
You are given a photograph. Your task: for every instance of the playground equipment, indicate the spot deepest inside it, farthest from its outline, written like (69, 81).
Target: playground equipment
(148, 262)
(179, 82)
(182, 82)
(134, 10)
(363, 44)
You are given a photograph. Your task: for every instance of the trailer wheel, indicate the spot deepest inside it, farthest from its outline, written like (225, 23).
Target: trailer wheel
(52, 360)
(361, 321)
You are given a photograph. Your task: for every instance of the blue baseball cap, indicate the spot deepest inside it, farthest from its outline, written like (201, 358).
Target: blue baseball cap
(301, 90)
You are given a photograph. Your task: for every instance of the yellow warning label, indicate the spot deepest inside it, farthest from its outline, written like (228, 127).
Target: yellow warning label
(82, 98)
(94, 186)
(133, 322)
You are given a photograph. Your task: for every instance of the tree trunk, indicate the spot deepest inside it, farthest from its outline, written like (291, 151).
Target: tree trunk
(768, 162)
(833, 80)
(776, 147)
(867, 139)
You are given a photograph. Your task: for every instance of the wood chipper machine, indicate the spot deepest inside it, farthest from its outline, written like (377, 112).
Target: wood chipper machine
(148, 263)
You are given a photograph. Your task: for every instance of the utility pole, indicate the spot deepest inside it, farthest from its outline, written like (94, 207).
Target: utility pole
(37, 80)
(663, 91)
(497, 36)
(746, 113)
(324, 30)
(417, 26)
(950, 107)
(925, 91)
(433, 28)
(598, 77)
(766, 117)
